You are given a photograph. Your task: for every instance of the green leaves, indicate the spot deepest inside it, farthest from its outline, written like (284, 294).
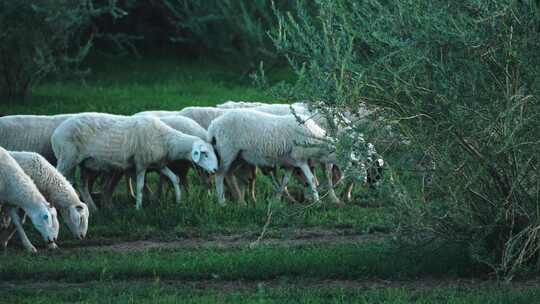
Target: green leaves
(438, 68)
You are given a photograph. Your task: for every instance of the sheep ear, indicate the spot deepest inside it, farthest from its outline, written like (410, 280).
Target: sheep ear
(75, 217)
(196, 154)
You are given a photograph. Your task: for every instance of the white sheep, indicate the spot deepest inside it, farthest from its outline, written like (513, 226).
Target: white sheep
(18, 191)
(205, 115)
(179, 167)
(202, 115)
(373, 168)
(56, 189)
(30, 133)
(187, 126)
(267, 140)
(158, 113)
(103, 142)
(240, 104)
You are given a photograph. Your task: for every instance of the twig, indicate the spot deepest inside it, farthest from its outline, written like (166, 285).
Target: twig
(265, 227)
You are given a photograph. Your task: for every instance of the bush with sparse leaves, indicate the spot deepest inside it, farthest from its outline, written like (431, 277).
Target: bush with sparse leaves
(461, 80)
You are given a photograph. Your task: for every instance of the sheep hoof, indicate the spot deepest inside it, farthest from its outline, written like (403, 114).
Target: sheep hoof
(52, 246)
(31, 249)
(336, 201)
(339, 204)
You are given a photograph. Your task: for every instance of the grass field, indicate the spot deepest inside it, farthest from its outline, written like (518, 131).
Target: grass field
(198, 252)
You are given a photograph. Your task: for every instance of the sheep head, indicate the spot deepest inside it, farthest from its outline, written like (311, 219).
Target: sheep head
(203, 154)
(76, 218)
(45, 219)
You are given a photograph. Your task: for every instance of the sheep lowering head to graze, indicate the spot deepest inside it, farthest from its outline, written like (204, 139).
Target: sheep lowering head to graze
(17, 190)
(104, 142)
(267, 141)
(57, 190)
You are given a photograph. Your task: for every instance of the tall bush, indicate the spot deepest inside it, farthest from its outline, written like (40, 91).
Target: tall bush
(39, 38)
(461, 78)
(230, 28)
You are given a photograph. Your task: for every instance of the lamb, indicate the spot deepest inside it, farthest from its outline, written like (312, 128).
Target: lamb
(267, 140)
(103, 142)
(30, 133)
(18, 191)
(57, 190)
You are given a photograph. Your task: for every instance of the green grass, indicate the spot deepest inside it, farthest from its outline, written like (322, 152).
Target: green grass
(349, 261)
(284, 292)
(127, 86)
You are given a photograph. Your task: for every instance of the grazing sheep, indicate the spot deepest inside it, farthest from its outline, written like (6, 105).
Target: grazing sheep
(103, 142)
(240, 104)
(157, 113)
(56, 190)
(202, 115)
(267, 141)
(30, 133)
(180, 167)
(18, 191)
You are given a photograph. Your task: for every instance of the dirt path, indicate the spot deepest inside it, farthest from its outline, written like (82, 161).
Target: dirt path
(296, 238)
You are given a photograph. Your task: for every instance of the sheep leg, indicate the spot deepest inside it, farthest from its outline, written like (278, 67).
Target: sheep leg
(222, 172)
(348, 194)
(289, 196)
(220, 177)
(275, 184)
(85, 192)
(66, 166)
(20, 230)
(182, 177)
(129, 186)
(284, 189)
(251, 186)
(111, 184)
(329, 170)
(312, 181)
(159, 190)
(6, 235)
(236, 190)
(175, 182)
(140, 186)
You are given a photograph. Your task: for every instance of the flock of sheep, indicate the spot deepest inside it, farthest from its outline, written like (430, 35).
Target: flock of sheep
(228, 142)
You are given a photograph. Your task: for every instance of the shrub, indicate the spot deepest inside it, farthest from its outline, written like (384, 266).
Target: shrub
(461, 78)
(40, 38)
(227, 28)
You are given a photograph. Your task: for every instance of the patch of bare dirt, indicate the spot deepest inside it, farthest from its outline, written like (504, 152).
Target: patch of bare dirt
(295, 238)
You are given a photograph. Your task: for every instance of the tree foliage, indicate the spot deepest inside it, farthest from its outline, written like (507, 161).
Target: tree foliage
(227, 27)
(461, 79)
(40, 38)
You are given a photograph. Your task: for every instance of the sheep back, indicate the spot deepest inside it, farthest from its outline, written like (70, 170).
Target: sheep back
(263, 139)
(30, 133)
